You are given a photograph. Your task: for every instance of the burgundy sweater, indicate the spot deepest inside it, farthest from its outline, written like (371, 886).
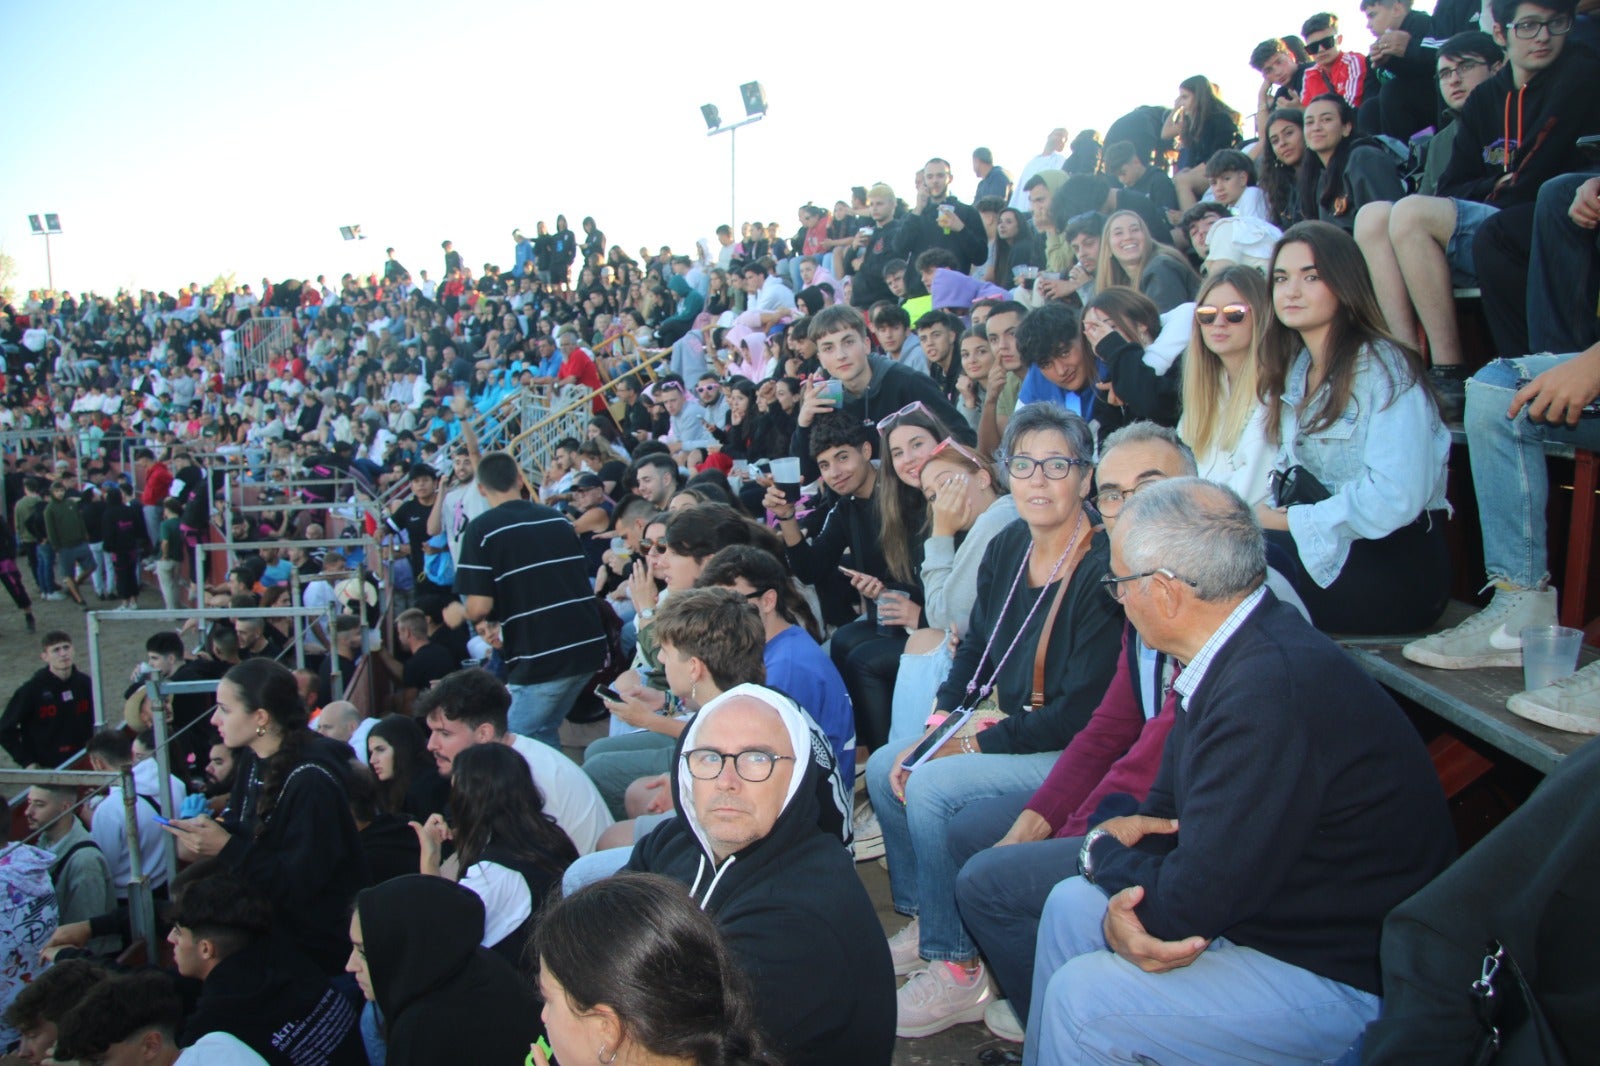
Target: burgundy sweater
(1119, 750)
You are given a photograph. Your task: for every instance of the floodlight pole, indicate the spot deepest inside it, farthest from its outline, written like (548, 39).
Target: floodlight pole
(733, 163)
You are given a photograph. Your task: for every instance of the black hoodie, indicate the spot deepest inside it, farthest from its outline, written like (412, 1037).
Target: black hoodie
(1541, 122)
(444, 998)
(893, 387)
(791, 907)
(271, 997)
(48, 719)
(308, 857)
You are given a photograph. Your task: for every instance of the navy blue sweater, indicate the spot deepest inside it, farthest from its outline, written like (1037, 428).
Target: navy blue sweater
(1306, 802)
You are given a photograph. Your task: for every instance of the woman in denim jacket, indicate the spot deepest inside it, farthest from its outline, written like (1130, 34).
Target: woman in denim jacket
(1352, 407)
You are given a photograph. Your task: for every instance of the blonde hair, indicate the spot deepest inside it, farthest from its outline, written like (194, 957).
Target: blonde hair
(882, 190)
(1112, 273)
(1215, 411)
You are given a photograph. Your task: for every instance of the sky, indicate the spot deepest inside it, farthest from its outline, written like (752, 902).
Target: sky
(182, 141)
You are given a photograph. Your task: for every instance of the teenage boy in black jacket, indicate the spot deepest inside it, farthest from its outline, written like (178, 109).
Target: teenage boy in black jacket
(875, 386)
(51, 716)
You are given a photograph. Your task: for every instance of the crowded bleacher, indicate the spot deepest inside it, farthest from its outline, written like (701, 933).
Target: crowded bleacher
(1147, 579)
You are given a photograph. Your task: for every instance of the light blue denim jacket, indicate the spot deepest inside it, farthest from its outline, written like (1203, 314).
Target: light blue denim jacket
(1384, 460)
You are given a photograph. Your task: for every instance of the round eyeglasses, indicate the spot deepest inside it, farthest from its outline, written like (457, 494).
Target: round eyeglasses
(752, 764)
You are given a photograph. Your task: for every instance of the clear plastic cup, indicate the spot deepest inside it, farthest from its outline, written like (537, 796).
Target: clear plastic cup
(1549, 653)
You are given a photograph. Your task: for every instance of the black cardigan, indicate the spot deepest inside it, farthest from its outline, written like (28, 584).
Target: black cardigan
(1081, 658)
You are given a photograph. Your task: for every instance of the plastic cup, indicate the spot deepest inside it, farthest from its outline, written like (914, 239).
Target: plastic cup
(1549, 653)
(833, 389)
(786, 475)
(884, 598)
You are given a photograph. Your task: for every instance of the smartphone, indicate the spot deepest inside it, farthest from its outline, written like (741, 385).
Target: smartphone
(1590, 409)
(936, 738)
(607, 693)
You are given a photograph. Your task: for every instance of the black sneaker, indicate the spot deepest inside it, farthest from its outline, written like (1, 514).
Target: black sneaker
(1450, 385)
(32, 628)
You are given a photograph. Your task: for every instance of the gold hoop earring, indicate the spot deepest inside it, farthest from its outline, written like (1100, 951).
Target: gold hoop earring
(261, 730)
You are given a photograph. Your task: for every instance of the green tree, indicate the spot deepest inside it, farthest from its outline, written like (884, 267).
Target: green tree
(8, 274)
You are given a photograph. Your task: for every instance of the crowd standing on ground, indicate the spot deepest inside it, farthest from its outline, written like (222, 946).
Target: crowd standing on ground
(996, 541)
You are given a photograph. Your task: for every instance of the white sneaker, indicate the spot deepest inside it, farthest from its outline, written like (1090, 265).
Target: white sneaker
(1002, 1021)
(1571, 704)
(868, 843)
(55, 595)
(1492, 637)
(932, 1001)
(905, 949)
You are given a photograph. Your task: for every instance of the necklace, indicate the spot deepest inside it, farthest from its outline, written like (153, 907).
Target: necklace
(994, 676)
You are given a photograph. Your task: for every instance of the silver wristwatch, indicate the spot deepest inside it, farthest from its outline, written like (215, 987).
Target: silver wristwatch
(1086, 853)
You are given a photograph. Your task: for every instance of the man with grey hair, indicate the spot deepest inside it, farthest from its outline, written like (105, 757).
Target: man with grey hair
(1308, 808)
(343, 720)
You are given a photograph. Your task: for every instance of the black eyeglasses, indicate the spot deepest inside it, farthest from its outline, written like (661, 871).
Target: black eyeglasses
(1320, 43)
(1235, 313)
(1109, 501)
(752, 764)
(1113, 584)
(1528, 29)
(1056, 468)
(1457, 71)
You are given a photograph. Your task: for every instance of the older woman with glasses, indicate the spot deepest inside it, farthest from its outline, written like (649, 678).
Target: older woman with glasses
(1040, 649)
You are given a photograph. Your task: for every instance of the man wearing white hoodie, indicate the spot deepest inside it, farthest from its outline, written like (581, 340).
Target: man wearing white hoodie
(110, 749)
(760, 841)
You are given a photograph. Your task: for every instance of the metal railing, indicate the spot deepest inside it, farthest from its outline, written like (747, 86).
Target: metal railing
(260, 338)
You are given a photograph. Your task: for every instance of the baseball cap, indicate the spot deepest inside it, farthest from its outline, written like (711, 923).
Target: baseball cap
(588, 481)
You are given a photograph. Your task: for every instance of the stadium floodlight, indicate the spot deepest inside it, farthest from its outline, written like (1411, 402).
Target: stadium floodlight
(755, 108)
(49, 226)
(351, 233)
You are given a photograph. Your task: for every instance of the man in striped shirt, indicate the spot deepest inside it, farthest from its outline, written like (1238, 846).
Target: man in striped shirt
(527, 587)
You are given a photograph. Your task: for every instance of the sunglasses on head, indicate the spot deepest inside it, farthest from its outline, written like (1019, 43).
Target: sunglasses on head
(1320, 43)
(889, 420)
(956, 446)
(1234, 313)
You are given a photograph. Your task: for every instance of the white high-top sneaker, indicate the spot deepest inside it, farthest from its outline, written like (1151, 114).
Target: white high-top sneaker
(1571, 704)
(1492, 637)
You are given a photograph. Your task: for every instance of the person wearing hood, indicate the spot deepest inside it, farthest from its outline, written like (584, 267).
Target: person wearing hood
(112, 749)
(443, 997)
(288, 828)
(255, 987)
(766, 858)
(690, 304)
(875, 386)
(1140, 349)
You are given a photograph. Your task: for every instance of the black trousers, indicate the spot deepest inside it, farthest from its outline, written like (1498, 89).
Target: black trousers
(1501, 252)
(869, 661)
(1399, 584)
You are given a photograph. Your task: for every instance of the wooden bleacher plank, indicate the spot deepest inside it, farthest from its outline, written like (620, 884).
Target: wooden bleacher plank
(1472, 700)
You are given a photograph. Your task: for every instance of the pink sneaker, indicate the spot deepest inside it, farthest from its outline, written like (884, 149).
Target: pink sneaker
(933, 1000)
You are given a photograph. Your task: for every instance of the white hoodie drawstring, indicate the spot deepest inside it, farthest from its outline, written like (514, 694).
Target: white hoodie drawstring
(712, 887)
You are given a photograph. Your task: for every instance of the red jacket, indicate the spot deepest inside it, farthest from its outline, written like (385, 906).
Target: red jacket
(157, 484)
(1119, 750)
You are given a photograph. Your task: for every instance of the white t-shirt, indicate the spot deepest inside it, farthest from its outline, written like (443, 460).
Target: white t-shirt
(507, 903)
(461, 505)
(219, 1049)
(1253, 204)
(570, 797)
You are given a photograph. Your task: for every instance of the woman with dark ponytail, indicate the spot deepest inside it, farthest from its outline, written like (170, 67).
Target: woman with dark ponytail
(665, 990)
(289, 829)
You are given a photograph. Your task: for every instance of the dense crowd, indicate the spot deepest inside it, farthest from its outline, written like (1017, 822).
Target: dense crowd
(999, 542)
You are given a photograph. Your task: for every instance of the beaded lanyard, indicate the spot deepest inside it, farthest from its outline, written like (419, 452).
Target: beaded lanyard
(972, 685)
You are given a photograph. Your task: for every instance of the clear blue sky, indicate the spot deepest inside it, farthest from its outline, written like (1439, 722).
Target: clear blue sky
(182, 140)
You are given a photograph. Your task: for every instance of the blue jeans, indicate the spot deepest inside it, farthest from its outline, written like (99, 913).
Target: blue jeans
(614, 763)
(45, 572)
(916, 837)
(1232, 1004)
(537, 710)
(1563, 272)
(1509, 472)
(1002, 891)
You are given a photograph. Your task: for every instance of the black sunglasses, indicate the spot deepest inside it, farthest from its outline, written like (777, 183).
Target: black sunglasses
(1320, 43)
